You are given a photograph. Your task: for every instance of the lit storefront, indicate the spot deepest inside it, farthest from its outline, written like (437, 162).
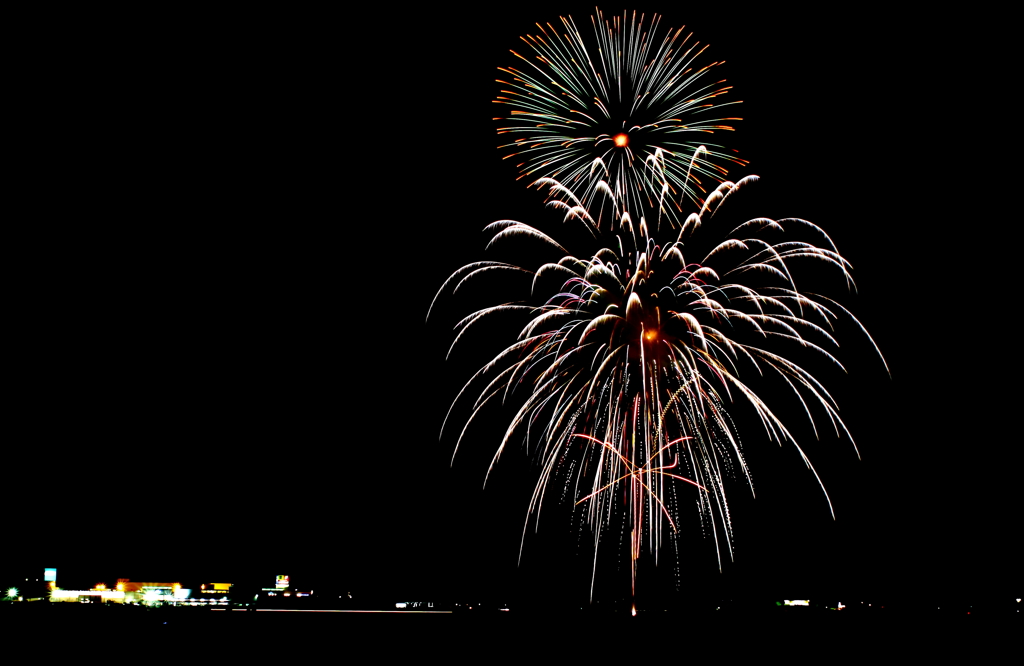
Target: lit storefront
(88, 596)
(149, 594)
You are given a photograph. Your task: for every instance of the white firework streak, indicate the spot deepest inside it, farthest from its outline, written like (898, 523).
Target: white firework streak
(629, 365)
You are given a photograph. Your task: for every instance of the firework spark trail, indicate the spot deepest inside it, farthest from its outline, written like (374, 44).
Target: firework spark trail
(622, 374)
(626, 362)
(613, 111)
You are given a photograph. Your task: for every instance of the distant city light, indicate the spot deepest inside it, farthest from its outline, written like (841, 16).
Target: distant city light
(75, 595)
(12, 593)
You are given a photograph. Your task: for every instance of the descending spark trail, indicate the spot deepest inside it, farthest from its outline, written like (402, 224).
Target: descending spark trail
(630, 362)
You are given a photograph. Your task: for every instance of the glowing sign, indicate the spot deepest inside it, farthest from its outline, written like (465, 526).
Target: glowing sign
(282, 583)
(50, 575)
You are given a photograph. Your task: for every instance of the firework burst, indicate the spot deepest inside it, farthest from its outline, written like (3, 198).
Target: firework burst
(630, 359)
(628, 362)
(614, 110)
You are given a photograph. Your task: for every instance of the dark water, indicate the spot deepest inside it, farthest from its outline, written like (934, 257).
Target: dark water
(745, 631)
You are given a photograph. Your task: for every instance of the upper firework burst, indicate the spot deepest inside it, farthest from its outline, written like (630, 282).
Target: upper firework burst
(619, 109)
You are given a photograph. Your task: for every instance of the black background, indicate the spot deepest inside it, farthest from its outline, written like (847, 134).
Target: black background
(225, 232)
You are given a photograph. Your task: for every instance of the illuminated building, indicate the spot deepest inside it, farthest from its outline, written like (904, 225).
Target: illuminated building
(88, 596)
(214, 594)
(142, 592)
(283, 588)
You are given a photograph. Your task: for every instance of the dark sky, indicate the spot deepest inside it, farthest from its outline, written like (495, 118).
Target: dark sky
(228, 230)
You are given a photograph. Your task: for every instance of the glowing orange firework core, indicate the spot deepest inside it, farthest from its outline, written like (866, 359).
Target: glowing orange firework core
(621, 140)
(650, 335)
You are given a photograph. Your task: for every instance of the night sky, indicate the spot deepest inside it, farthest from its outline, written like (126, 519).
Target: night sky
(228, 229)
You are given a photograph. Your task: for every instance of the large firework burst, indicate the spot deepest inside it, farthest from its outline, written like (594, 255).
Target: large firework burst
(629, 360)
(616, 109)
